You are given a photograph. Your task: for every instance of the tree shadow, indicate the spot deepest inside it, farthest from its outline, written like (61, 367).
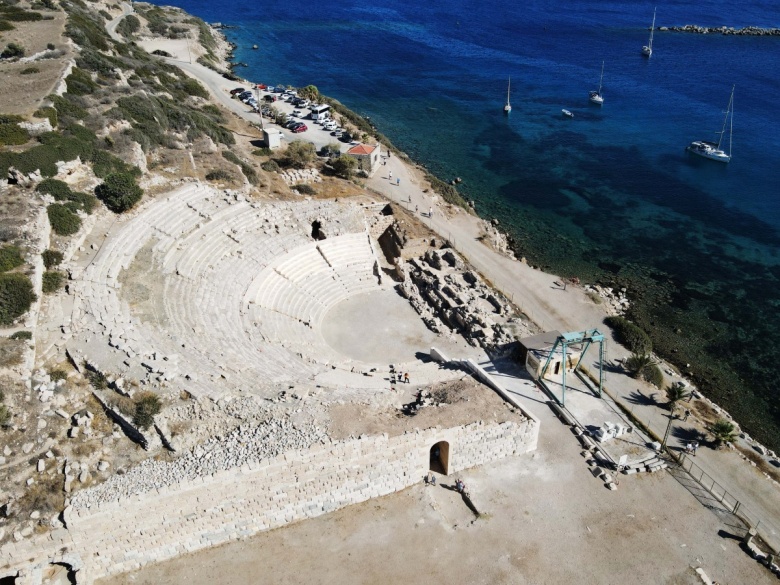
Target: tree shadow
(640, 398)
(689, 435)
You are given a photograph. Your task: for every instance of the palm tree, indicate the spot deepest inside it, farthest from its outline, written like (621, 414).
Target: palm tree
(723, 431)
(637, 363)
(675, 393)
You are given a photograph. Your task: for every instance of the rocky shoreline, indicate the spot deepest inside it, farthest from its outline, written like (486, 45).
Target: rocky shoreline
(749, 31)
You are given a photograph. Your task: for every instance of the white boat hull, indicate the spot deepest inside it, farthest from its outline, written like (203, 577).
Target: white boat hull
(596, 98)
(567, 113)
(507, 108)
(647, 51)
(708, 150)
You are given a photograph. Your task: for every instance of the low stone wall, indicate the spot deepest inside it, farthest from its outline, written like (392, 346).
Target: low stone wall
(123, 536)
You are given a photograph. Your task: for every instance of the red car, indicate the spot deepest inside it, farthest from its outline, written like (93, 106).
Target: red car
(261, 86)
(301, 128)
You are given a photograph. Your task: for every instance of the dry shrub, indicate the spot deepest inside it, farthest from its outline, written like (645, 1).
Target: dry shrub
(45, 495)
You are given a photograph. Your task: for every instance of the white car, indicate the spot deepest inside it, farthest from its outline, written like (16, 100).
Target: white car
(330, 126)
(296, 113)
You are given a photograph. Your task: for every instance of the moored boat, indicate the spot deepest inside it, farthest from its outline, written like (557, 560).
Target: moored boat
(715, 150)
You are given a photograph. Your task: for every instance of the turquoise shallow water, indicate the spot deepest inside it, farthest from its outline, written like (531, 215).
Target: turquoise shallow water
(610, 195)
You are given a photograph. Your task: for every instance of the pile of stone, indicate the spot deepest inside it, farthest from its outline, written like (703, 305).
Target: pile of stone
(752, 31)
(295, 176)
(423, 399)
(615, 301)
(45, 386)
(242, 445)
(448, 296)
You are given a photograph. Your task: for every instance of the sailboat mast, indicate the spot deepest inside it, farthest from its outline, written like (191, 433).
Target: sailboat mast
(652, 29)
(602, 76)
(731, 125)
(508, 86)
(726, 119)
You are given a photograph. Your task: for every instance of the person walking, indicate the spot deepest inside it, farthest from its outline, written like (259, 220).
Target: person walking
(390, 175)
(398, 181)
(430, 212)
(687, 414)
(695, 447)
(406, 377)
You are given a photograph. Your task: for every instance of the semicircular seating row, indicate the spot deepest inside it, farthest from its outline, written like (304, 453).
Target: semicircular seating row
(245, 287)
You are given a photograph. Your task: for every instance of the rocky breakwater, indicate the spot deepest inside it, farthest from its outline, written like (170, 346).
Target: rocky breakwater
(750, 31)
(244, 444)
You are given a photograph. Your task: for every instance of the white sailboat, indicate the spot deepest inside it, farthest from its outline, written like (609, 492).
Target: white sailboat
(595, 96)
(508, 106)
(714, 150)
(647, 50)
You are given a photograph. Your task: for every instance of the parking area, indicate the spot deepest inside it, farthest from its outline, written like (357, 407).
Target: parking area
(296, 117)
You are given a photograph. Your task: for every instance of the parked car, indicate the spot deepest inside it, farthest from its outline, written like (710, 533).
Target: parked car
(270, 98)
(303, 103)
(296, 113)
(300, 128)
(279, 89)
(237, 91)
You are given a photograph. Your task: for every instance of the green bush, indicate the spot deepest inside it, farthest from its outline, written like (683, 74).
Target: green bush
(63, 221)
(219, 175)
(153, 117)
(104, 163)
(299, 154)
(80, 82)
(147, 404)
(11, 132)
(52, 281)
(84, 29)
(12, 51)
(5, 415)
(16, 296)
(161, 53)
(52, 258)
(83, 201)
(96, 379)
(10, 258)
(17, 14)
(29, 71)
(67, 107)
(49, 113)
(50, 46)
(119, 192)
(128, 26)
(448, 192)
(5, 26)
(25, 335)
(344, 166)
(653, 375)
(629, 335)
(193, 87)
(61, 192)
(57, 375)
(56, 188)
(270, 166)
(103, 65)
(248, 171)
(305, 189)
(264, 151)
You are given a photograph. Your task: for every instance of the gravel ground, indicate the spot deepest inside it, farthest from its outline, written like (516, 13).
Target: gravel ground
(546, 520)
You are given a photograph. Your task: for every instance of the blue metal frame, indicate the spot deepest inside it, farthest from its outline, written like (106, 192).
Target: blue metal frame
(587, 337)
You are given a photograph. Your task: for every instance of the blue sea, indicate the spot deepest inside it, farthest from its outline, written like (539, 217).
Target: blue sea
(610, 195)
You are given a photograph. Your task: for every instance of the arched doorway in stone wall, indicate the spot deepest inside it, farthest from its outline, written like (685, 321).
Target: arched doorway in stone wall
(439, 458)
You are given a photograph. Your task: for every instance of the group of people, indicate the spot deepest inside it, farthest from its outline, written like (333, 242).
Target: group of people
(691, 448)
(460, 487)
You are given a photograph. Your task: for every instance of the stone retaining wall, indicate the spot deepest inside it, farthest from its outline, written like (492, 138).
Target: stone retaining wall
(119, 537)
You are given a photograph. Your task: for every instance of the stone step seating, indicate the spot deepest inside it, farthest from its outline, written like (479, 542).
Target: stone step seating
(251, 291)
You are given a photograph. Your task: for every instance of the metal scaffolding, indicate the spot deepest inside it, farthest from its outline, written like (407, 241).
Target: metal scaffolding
(564, 341)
